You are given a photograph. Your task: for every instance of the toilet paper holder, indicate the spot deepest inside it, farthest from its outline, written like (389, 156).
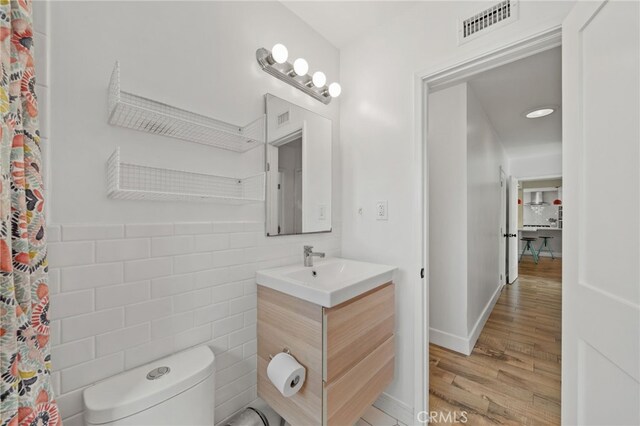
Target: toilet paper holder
(285, 350)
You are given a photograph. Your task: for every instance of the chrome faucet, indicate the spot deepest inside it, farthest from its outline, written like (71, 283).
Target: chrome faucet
(308, 255)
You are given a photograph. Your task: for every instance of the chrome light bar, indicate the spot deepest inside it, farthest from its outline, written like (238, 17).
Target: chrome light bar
(285, 72)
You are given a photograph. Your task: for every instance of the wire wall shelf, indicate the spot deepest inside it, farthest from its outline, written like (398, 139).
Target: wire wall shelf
(137, 182)
(139, 113)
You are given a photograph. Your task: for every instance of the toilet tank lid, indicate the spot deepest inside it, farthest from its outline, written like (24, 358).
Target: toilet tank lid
(131, 392)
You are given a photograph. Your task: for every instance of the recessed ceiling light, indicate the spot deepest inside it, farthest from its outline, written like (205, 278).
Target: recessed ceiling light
(540, 112)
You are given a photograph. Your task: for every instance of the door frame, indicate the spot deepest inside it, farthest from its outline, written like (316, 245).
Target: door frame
(503, 247)
(445, 75)
(513, 211)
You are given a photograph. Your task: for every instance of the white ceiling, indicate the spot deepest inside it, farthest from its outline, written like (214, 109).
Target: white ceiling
(341, 22)
(508, 92)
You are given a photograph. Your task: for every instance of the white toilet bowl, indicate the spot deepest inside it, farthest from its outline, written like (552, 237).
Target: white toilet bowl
(177, 390)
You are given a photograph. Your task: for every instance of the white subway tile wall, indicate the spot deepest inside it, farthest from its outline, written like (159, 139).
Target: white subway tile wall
(125, 295)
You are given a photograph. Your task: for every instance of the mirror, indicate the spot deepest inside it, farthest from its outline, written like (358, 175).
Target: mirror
(298, 157)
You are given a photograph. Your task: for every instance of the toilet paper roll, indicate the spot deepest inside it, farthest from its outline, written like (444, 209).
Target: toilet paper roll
(286, 374)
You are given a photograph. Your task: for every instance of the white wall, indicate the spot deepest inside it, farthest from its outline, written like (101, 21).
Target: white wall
(485, 156)
(132, 281)
(196, 55)
(536, 166)
(465, 155)
(377, 130)
(447, 155)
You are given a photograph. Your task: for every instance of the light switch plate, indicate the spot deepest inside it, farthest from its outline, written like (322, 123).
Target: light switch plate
(322, 212)
(382, 210)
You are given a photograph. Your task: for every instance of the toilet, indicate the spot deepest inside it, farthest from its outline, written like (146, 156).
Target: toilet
(177, 390)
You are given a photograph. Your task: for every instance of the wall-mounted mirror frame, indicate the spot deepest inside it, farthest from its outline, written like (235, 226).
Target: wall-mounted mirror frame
(298, 169)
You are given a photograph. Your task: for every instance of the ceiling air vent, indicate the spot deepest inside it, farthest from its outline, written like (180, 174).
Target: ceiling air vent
(495, 16)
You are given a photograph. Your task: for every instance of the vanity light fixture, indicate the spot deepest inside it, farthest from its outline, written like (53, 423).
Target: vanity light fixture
(279, 53)
(540, 112)
(319, 79)
(275, 63)
(301, 67)
(334, 90)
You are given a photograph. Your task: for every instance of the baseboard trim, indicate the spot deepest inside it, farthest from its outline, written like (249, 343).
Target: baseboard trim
(396, 409)
(464, 345)
(479, 325)
(449, 341)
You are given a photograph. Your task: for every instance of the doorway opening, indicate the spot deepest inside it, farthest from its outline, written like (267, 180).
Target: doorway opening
(538, 251)
(290, 186)
(495, 284)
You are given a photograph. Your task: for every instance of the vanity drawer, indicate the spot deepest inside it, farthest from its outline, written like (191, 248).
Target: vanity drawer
(348, 397)
(354, 329)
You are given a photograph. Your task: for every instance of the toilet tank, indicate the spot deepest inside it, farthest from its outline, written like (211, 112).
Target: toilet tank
(177, 390)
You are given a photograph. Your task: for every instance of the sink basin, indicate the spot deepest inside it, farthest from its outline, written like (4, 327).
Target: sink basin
(329, 282)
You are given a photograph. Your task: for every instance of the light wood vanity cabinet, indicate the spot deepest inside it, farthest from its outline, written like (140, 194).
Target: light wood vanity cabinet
(348, 352)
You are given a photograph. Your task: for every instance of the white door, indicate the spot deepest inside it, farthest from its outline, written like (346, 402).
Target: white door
(601, 236)
(503, 228)
(512, 199)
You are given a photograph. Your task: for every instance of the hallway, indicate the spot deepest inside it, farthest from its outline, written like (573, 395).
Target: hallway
(513, 373)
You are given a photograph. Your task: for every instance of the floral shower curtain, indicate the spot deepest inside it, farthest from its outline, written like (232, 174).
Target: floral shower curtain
(26, 396)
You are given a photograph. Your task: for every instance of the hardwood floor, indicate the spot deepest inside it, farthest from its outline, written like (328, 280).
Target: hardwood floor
(512, 376)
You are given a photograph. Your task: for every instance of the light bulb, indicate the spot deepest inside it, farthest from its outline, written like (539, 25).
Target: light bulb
(335, 90)
(300, 66)
(319, 79)
(280, 53)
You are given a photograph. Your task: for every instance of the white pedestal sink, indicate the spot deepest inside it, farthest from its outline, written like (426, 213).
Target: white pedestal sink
(329, 282)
